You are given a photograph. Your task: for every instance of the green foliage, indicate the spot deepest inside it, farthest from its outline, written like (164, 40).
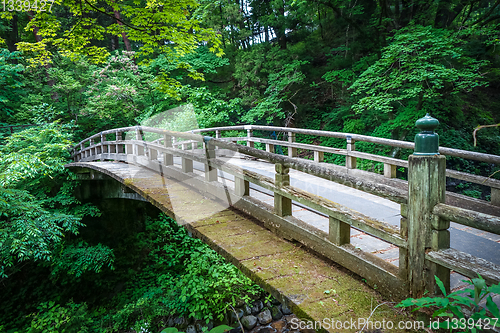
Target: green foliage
(452, 305)
(37, 206)
(54, 318)
(10, 83)
(282, 87)
(421, 64)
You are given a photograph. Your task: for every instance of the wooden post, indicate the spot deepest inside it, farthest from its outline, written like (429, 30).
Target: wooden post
(292, 152)
(426, 188)
(210, 172)
(152, 154)
(92, 148)
(241, 186)
(403, 253)
(249, 136)
(217, 136)
(187, 165)
(119, 146)
(339, 233)
(103, 147)
(168, 159)
(495, 196)
(389, 170)
(282, 205)
(350, 162)
(440, 239)
(270, 148)
(319, 156)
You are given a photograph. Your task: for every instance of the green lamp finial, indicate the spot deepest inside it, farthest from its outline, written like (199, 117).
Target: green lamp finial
(427, 141)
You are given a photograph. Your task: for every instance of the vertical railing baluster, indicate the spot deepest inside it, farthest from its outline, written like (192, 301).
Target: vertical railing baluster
(282, 205)
(168, 159)
(249, 136)
(350, 162)
(292, 152)
(210, 171)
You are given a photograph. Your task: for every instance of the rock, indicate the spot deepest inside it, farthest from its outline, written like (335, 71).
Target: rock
(275, 301)
(191, 329)
(265, 317)
(247, 309)
(276, 313)
(279, 325)
(200, 324)
(239, 302)
(180, 322)
(266, 329)
(248, 322)
(170, 321)
(285, 310)
(237, 329)
(257, 307)
(233, 315)
(289, 319)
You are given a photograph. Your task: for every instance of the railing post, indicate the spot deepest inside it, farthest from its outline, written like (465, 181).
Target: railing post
(403, 253)
(139, 148)
(168, 159)
(217, 136)
(119, 146)
(210, 172)
(350, 162)
(103, 147)
(270, 148)
(495, 196)
(292, 152)
(187, 165)
(92, 149)
(426, 188)
(319, 156)
(241, 186)
(282, 205)
(249, 136)
(389, 170)
(339, 232)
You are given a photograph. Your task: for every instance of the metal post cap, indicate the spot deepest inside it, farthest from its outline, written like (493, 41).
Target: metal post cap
(427, 123)
(427, 141)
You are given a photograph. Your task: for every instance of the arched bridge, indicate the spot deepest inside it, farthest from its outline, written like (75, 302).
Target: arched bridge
(265, 212)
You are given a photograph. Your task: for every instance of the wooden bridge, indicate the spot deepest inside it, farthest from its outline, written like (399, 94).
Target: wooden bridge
(224, 205)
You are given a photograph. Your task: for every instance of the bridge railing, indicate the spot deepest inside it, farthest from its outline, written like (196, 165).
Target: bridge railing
(351, 154)
(424, 203)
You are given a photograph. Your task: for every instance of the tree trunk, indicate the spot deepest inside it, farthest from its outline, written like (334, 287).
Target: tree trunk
(13, 36)
(124, 35)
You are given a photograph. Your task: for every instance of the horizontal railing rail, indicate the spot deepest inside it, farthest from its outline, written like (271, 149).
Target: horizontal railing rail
(153, 146)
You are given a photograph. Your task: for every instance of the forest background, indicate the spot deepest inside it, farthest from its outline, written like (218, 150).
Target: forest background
(75, 68)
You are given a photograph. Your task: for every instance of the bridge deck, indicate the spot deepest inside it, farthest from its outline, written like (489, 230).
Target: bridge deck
(291, 273)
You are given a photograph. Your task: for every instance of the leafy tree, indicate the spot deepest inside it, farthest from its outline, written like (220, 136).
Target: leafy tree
(36, 201)
(10, 83)
(421, 67)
